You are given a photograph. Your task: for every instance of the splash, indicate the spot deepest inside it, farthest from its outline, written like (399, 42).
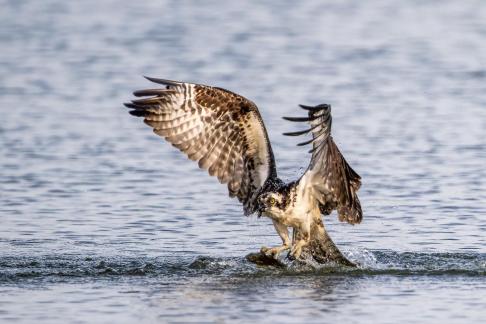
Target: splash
(57, 267)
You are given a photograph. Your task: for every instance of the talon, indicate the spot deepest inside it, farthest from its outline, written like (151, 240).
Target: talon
(273, 252)
(268, 252)
(295, 253)
(290, 257)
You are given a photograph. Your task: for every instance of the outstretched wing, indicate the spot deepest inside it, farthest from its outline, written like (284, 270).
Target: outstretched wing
(221, 130)
(332, 181)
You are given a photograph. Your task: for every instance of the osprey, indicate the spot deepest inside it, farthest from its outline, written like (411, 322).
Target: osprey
(225, 133)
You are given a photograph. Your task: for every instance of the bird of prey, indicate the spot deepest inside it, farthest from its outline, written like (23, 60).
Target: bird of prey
(225, 133)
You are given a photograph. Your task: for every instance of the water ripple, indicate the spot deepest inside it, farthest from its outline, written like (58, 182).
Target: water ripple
(17, 269)
(90, 195)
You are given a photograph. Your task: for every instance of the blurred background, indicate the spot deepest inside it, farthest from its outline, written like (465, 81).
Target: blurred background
(100, 220)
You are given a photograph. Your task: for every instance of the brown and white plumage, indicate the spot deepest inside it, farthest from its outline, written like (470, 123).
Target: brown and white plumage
(225, 133)
(333, 182)
(221, 130)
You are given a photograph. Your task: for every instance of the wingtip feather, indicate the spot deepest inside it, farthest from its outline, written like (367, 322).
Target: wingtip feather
(297, 119)
(316, 108)
(162, 81)
(306, 142)
(296, 133)
(137, 113)
(307, 107)
(152, 92)
(130, 105)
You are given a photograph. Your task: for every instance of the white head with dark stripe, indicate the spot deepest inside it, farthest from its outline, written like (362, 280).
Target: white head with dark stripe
(276, 202)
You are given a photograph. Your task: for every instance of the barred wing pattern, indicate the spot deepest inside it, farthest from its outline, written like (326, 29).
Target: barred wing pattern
(333, 181)
(221, 130)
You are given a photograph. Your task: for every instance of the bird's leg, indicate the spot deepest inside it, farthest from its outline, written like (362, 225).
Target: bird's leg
(284, 235)
(301, 239)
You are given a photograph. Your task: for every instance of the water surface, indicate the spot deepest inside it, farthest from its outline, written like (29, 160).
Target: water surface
(101, 221)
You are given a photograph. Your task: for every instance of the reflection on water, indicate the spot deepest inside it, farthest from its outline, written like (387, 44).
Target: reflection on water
(101, 221)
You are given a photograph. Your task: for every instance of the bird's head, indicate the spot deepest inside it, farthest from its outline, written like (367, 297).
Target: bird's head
(271, 204)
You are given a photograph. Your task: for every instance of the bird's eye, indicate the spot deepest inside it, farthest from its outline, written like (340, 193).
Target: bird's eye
(272, 201)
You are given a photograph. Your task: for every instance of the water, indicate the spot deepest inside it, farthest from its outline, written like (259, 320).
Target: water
(100, 221)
